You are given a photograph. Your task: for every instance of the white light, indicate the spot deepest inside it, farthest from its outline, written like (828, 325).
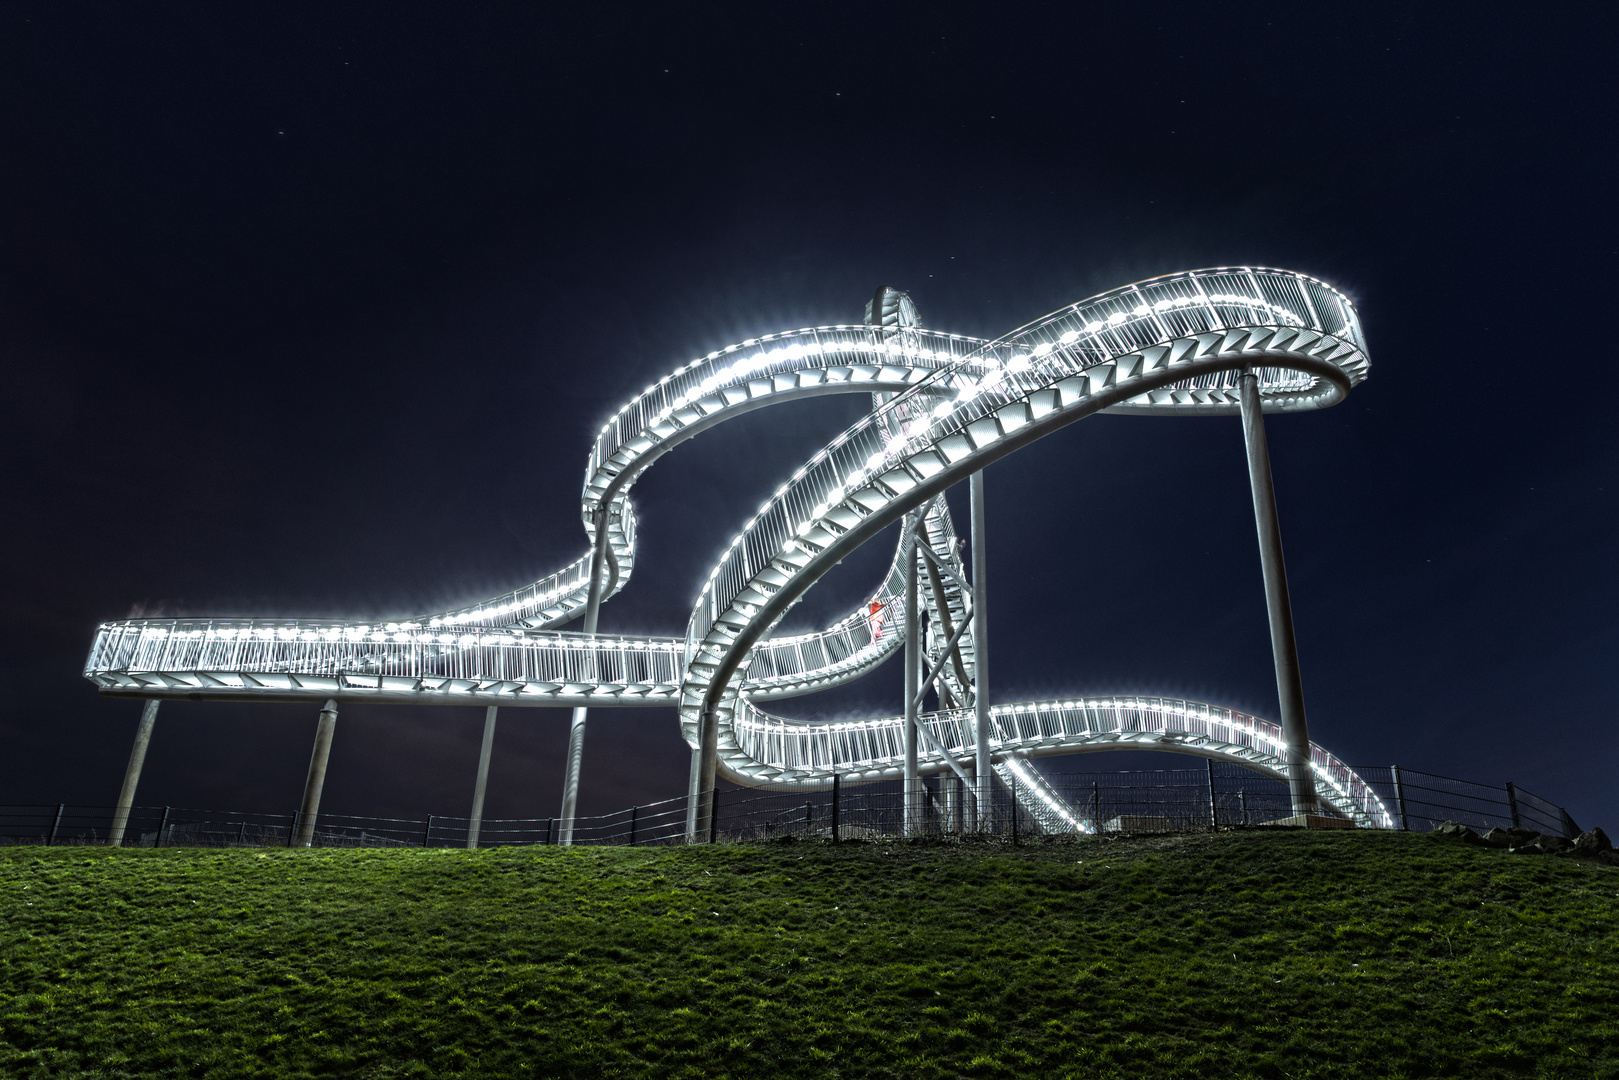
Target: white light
(1070, 337)
(1043, 349)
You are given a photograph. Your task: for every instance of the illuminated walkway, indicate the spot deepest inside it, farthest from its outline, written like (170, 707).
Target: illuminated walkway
(944, 406)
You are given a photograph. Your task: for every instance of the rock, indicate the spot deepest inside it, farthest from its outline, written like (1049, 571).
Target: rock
(1521, 835)
(1543, 845)
(1456, 830)
(1591, 844)
(1498, 838)
(1609, 857)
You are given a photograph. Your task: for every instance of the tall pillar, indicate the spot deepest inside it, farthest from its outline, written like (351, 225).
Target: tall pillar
(985, 773)
(694, 791)
(132, 774)
(1289, 682)
(576, 730)
(705, 780)
(570, 782)
(475, 826)
(950, 810)
(305, 837)
(913, 660)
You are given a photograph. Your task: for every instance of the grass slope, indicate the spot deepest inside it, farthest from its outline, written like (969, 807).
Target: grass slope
(1243, 954)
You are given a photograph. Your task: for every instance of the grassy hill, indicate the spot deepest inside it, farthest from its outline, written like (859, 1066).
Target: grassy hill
(1261, 953)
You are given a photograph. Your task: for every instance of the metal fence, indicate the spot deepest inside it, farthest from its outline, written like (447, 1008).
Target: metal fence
(1167, 800)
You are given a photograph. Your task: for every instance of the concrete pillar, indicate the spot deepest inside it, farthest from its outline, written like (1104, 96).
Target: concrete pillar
(913, 662)
(1284, 647)
(475, 826)
(132, 774)
(984, 769)
(310, 810)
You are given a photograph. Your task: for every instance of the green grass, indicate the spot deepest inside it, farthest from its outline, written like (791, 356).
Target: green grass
(1261, 953)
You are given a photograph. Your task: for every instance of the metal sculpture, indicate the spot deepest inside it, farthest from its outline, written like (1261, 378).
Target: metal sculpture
(1232, 341)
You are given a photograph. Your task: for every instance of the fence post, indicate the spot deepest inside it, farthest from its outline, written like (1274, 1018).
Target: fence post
(809, 819)
(1399, 799)
(548, 822)
(635, 812)
(427, 833)
(292, 828)
(1214, 815)
(714, 814)
(57, 824)
(1571, 831)
(157, 841)
(1242, 801)
(1512, 802)
(834, 808)
(241, 834)
(1096, 806)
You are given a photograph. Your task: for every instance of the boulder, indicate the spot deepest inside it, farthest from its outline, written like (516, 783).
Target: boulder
(1591, 844)
(1609, 857)
(1521, 835)
(1498, 838)
(1544, 845)
(1457, 831)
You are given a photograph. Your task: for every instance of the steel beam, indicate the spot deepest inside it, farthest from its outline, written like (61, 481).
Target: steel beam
(576, 730)
(930, 679)
(475, 825)
(704, 776)
(1284, 646)
(984, 768)
(913, 659)
(310, 810)
(941, 610)
(132, 774)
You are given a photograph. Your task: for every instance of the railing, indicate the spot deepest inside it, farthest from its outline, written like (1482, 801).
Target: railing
(284, 646)
(1215, 795)
(764, 358)
(1064, 722)
(918, 431)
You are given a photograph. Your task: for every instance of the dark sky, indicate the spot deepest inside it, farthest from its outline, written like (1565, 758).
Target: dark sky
(314, 311)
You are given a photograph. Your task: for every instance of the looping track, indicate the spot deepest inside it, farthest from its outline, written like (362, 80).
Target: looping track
(945, 406)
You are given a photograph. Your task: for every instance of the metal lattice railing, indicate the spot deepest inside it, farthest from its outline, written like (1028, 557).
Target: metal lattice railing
(937, 399)
(1213, 795)
(866, 470)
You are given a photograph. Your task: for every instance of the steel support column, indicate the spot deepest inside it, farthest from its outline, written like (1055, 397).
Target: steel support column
(913, 661)
(576, 730)
(475, 825)
(132, 773)
(694, 791)
(570, 782)
(984, 772)
(316, 780)
(1284, 646)
(706, 776)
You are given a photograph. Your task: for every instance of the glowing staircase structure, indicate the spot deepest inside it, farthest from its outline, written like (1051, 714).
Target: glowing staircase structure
(944, 406)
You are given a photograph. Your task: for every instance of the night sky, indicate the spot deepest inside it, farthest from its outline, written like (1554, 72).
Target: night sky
(314, 312)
